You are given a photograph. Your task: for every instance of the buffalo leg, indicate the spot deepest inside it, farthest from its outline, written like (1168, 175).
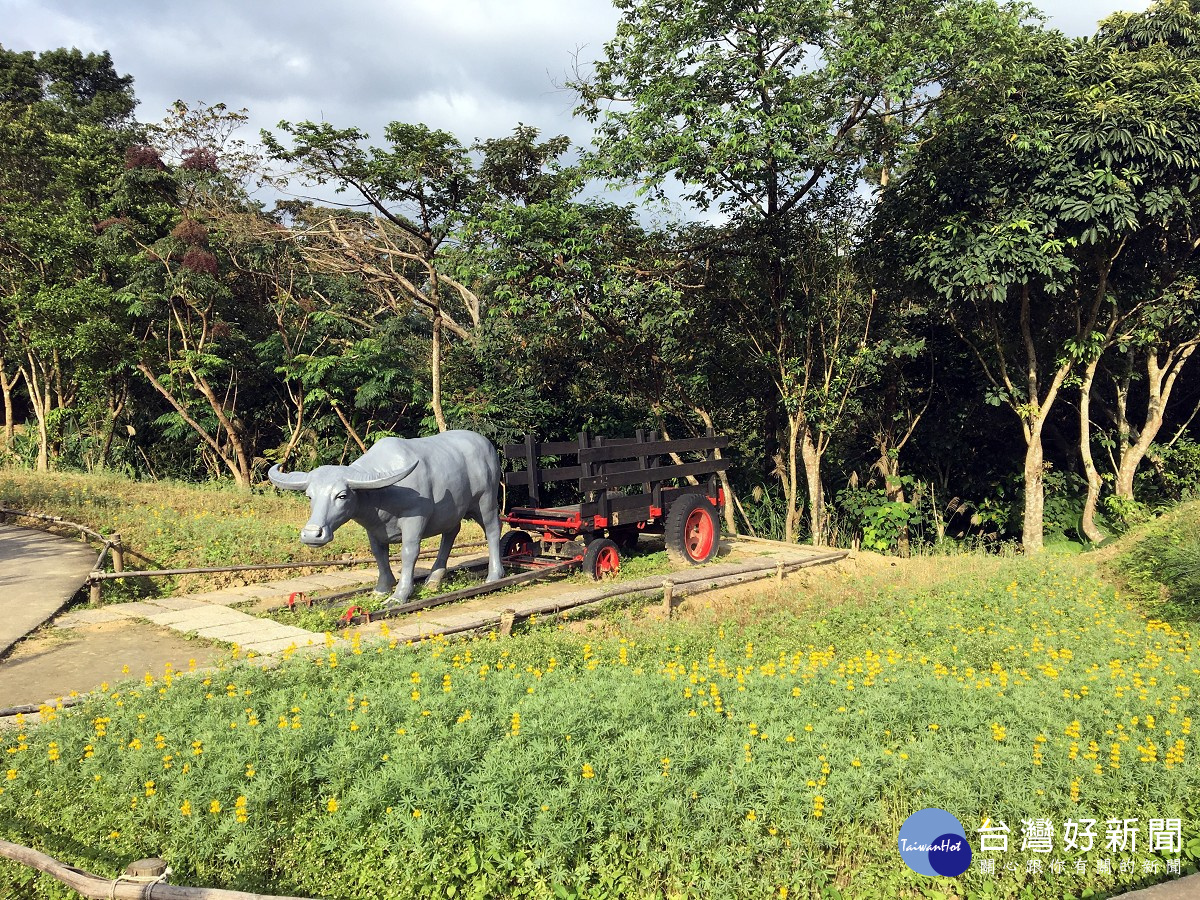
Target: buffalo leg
(443, 556)
(409, 548)
(379, 550)
(489, 518)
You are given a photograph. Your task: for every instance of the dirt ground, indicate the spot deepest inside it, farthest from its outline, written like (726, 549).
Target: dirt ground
(52, 662)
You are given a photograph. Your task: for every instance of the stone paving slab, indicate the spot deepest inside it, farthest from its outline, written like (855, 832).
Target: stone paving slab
(191, 619)
(90, 617)
(178, 603)
(210, 615)
(349, 578)
(230, 633)
(139, 609)
(449, 621)
(242, 592)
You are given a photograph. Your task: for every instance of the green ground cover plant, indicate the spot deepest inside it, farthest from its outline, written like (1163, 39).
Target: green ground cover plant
(769, 754)
(1163, 559)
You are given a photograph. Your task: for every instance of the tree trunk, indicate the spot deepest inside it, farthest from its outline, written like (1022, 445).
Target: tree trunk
(788, 471)
(238, 465)
(8, 387)
(1160, 381)
(349, 428)
(1088, 521)
(39, 396)
(816, 493)
(115, 406)
(1033, 527)
(726, 486)
(436, 372)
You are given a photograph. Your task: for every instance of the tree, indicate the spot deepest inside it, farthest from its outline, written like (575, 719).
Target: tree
(65, 119)
(1051, 213)
(200, 313)
(418, 193)
(770, 110)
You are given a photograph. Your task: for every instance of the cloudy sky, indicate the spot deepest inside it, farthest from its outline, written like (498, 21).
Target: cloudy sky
(475, 68)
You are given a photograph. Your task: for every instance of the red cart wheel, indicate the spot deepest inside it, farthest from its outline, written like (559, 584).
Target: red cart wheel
(692, 531)
(516, 544)
(601, 560)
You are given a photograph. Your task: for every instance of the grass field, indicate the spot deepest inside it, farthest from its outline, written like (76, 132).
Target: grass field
(769, 748)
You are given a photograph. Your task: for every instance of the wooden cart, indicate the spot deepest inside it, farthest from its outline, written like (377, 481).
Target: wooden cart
(626, 487)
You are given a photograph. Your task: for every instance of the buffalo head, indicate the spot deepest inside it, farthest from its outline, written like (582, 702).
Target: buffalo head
(332, 491)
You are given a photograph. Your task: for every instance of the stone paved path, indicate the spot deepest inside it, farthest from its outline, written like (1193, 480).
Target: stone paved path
(209, 615)
(39, 573)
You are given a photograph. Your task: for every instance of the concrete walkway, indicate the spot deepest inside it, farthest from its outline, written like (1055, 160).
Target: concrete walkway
(1187, 888)
(39, 574)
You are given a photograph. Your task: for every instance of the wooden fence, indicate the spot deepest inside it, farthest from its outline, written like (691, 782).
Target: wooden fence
(143, 880)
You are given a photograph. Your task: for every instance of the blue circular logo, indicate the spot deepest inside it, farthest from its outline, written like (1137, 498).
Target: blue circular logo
(933, 842)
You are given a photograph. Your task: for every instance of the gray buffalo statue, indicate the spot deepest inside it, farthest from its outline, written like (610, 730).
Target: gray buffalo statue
(403, 491)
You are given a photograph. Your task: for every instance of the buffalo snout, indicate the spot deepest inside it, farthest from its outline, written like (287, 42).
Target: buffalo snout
(316, 535)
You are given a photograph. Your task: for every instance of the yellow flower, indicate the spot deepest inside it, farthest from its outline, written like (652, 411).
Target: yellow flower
(214, 807)
(934, 726)
(186, 808)
(588, 771)
(250, 771)
(332, 805)
(12, 774)
(416, 814)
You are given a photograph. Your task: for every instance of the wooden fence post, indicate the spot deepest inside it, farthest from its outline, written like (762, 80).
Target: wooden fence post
(118, 553)
(507, 618)
(94, 591)
(668, 599)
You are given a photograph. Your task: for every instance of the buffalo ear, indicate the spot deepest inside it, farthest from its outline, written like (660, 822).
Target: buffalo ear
(370, 481)
(289, 481)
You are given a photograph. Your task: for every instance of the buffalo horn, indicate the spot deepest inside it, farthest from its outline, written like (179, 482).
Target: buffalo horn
(369, 482)
(288, 481)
